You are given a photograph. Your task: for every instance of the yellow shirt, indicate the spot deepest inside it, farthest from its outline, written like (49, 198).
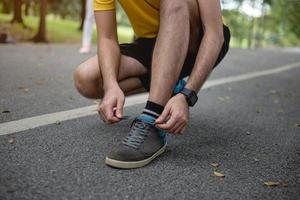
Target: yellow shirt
(143, 14)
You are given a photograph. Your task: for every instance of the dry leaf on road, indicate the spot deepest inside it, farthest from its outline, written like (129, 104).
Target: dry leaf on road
(5, 111)
(12, 140)
(24, 89)
(40, 82)
(218, 174)
(271, 183)
(214, 164)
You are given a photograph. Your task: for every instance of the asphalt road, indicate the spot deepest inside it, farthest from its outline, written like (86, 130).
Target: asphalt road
(249, 128)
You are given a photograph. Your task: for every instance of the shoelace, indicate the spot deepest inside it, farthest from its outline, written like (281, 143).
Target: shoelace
(139, 131)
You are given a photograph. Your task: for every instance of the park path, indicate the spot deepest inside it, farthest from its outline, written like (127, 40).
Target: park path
(249, 127)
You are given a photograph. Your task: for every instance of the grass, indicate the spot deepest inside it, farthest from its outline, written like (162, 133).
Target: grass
(58, 30)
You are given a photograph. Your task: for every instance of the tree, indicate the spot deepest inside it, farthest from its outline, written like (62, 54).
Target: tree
(82, 14)
(41, 34)
(6, 6)
(17, 18)
(288, 14)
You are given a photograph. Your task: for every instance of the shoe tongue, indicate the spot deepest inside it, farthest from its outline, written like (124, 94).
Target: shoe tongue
(147, 119)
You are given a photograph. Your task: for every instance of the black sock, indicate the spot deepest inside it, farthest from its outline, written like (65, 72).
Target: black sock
(151, 111)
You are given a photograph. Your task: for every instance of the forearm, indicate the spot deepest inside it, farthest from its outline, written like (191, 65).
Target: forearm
(206, 58)
(109, 62)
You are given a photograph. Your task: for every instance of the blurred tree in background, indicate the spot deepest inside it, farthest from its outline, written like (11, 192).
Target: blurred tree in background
(261, 23)
(17, 17)
(41, 34)
(253, 23)
(82, 14)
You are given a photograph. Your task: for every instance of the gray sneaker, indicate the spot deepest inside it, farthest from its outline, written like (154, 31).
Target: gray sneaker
(144, 143)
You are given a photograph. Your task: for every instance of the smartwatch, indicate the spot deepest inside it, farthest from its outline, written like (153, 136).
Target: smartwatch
(190, 96)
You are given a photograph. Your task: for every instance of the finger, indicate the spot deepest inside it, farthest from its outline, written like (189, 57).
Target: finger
(163, 117)
(169, 124)
(108, 112)
(114, 119)
(179, 129)
(102, 116)
(119, 111)
(175, 127)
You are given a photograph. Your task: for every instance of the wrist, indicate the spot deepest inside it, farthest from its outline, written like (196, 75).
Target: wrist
(110, 85)
(190, 87)
(190, 96)
(182, 97)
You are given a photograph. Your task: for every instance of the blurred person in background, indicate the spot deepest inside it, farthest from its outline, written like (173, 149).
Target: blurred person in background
(88, 28)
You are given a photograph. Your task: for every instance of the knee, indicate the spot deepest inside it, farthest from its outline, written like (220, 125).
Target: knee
(176, 8)
(85, 84)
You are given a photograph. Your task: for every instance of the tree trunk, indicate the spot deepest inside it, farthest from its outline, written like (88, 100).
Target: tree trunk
(41, 34)
(17, 18)
(250, 32)
(27, 7)
(82, 14)
(6, 6)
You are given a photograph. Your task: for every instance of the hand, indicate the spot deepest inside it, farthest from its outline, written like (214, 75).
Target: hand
(175, 116)
(111, 107)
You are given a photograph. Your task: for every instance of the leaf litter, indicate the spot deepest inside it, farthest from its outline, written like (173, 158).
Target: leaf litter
(219, 174)
(214, 164)
(24, 89)
(271, 183)
(5, 111)
(12, 140)
(40, 82)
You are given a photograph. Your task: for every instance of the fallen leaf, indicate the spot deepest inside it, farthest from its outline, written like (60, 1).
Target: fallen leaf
(271, 183)
(248, 133)
(40, 82)
(214, 164)
(12, 140)
(218, 174)
(255, 159)
(24, 89)
(5, 111)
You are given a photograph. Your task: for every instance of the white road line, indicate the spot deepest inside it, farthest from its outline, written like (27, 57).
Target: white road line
(42, 120)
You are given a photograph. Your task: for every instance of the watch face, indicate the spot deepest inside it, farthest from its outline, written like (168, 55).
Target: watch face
(193, 98)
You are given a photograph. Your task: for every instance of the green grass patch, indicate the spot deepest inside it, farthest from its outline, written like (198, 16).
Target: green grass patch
(58, 30)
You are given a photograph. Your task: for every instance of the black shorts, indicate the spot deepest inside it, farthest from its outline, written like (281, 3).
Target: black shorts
(142, 48)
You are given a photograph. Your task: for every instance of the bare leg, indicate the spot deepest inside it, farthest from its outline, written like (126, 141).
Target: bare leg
(88, 81)
(179, 25)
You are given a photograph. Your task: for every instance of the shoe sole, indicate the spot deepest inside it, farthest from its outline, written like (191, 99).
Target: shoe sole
(133, 164)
